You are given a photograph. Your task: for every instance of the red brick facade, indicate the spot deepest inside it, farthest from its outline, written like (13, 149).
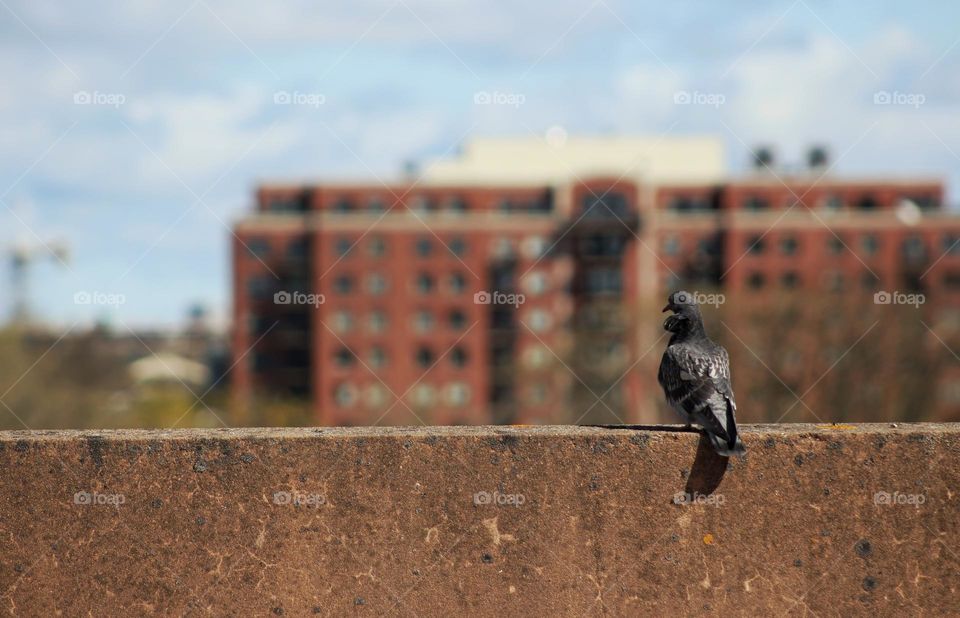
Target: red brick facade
(398, 268)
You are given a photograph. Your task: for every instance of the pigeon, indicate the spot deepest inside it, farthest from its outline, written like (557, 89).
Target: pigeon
(695, 376)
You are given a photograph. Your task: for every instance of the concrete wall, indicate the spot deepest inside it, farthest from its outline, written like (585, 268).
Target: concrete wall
(817, 520)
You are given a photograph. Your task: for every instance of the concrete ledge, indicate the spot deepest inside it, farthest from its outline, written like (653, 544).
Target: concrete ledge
(829, 520)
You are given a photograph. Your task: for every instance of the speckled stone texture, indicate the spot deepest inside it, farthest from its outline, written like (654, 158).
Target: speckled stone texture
(484, 521)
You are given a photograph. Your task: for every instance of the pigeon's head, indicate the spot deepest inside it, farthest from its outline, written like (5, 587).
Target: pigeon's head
(686, 314)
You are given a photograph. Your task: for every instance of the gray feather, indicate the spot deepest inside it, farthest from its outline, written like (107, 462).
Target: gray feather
(695, 376)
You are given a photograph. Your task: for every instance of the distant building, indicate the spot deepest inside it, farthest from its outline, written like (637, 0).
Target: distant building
(351, 295)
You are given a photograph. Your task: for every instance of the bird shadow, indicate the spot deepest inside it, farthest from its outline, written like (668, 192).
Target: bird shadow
(708, 467)
(707, 470)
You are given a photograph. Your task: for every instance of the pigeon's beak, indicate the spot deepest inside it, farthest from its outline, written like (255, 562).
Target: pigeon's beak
(666, 309)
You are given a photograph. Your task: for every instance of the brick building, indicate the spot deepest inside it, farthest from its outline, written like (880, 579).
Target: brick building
(513, 298)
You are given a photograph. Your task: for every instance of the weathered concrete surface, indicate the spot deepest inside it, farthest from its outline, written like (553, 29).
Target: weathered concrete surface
(394, 521)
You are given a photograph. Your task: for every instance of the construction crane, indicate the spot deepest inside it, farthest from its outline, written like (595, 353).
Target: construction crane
(21, 255)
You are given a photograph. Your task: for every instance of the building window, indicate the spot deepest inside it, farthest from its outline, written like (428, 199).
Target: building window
(423, 321)
(298, 284)
(378, 358)
(832, 201)
(343, 284)
(342, 247)
(458, 356)
(260, 361)
(542, 204)
(682, 203)
(869, 281)
(376, 284)
(342, 322)
(258, 247)
(867, 202)
(424, 357)
(835, 245)
(342, 205)
(421, 204)
(756, 280)
(458, 247)
(377, 247)
(535, 283)
(343, 357)
(537, 394)
(709, 246)
(951, 244)
(298, 249)
(913, 248)
(603, 244)
(755, 245)
(423, 396)
(870, 244)
(925, 202)
(259, 287)
(376, 396)
(604, 281)
(788, 245)
(671, 245)
(345, 395)
(536, 356)
(755, 203)
(502, 248)
(423, 247)
(377, 321)
(457, 394)
(951, 280)
(610, 204)
(458, 319)
(288, 204)
(790, 280)
(535, 247)
(457, 204)
(458, 283)
(834, 281)
(376, 204)
(424, 283)
(539, 320)
(257, 325)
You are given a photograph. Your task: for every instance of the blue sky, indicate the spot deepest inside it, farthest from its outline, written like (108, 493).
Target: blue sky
(137, 131)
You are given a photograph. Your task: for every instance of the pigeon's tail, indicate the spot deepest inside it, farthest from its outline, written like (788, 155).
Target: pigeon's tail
(730, 444)
(726, 448)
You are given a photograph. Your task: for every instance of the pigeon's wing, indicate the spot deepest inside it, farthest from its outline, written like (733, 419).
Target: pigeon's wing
(696, 382)
(722, 382)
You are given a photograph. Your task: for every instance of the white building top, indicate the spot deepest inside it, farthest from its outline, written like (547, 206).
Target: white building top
(560, 159)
